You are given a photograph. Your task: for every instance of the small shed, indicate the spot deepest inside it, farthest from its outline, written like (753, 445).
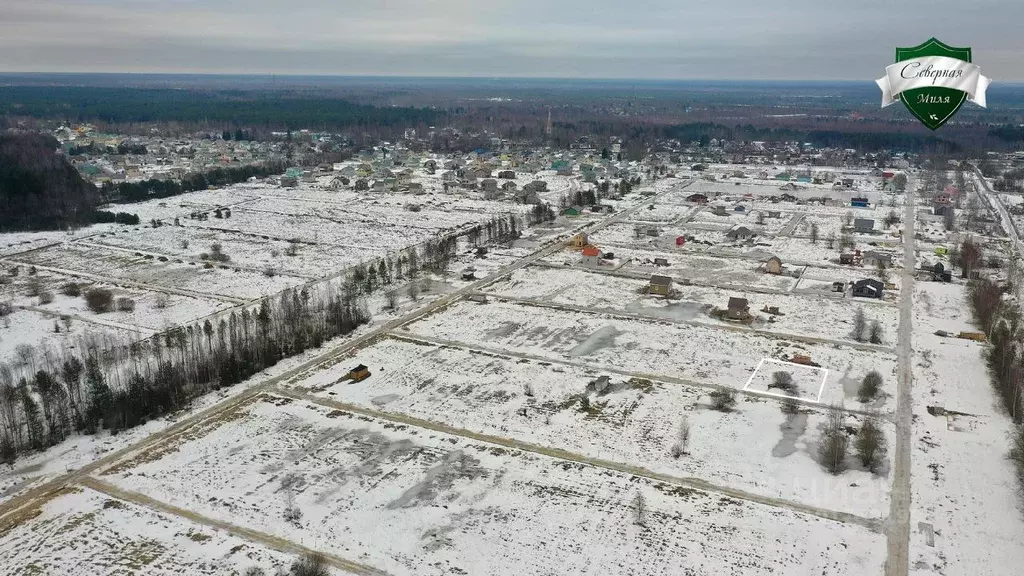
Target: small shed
(661, 261)
(846, 259)
(359, 373)
(739, 309)
(859, 202)
(740, 233)
(872, 258)
(660, 285)
(863, 225)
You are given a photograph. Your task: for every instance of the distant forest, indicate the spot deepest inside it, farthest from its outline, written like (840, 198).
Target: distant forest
(277, 110)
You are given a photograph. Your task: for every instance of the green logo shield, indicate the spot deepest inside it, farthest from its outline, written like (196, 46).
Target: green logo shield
(933, 80)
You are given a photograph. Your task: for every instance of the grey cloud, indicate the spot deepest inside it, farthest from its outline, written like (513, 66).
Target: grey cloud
(796, 39)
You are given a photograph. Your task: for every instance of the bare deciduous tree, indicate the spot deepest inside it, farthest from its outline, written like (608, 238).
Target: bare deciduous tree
(723, 400)
(310, 565)
(639, 509)
(860, 325)
(871, 444)
(682, 438)
(834, 442)
(783, 381)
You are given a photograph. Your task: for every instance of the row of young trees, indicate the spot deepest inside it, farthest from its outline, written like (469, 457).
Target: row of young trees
(157, 188)
(1000, 319)
(47, 395)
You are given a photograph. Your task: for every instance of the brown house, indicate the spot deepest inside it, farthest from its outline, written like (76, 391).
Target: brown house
(739, 309)
(660, 285)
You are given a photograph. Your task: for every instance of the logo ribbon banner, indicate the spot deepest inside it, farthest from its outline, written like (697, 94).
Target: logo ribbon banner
(930, 72)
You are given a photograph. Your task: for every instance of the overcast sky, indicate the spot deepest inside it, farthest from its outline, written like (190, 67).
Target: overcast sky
(677, 39)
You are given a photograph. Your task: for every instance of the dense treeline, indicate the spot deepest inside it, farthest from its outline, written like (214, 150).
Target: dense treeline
(39, 188)
(156, 188)
(1002, 323)
(47, 395)
(238, 108)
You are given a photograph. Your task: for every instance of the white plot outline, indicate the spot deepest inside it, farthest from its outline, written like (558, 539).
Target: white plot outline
(821, 388)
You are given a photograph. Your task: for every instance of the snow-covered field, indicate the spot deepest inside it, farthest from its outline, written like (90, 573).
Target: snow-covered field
(82, 532)
(697, 353)
(964, 488)
(809, 316)
(755, 448)
(402, 500)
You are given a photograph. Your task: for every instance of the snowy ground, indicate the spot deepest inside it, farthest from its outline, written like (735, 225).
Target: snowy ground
(801, 315)
(965, 498)
(400, 499)
(697, 353)
(755, 448)
(85, 533)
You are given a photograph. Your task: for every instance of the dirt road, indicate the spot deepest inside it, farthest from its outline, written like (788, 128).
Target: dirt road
(899, 504)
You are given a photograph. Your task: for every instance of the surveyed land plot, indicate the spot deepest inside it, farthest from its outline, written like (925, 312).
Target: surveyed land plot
(631, 421)
(807, 382)
(244, 250)
(218, 280)
(807, 316)
(81, 531)
(734, 273)
(702, 354)
(399, 499)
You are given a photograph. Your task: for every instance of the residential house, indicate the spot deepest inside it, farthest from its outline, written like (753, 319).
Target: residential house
(739, 309)
(719, 210)
(697, 198)
(289, 181)
(448, 176)
(572, 211)
(509, 186)
(361, 185)
(775, 214)
(868, 288)
(859, 202)
(847, 182)
(874, 259)
(591, 255)
(578, 241)
(526, 196)
(773, 265)
(507, 175)
(660, 285)
(661, 261)
(863, 225)
(739, 233)
(489, 185)
(846, 259)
